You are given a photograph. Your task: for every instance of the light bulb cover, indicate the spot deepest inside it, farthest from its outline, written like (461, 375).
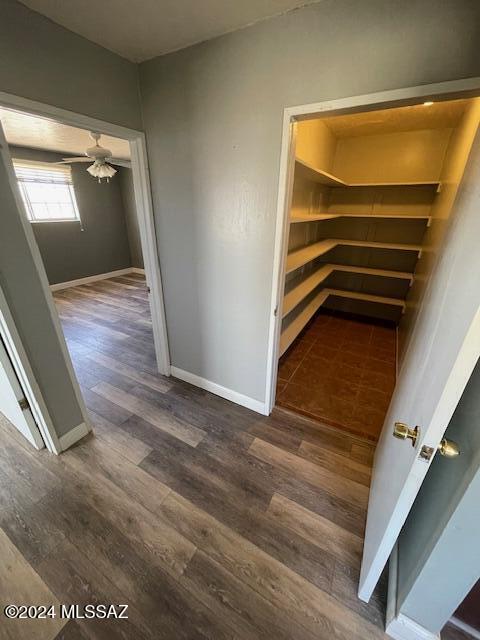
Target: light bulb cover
(101, 170)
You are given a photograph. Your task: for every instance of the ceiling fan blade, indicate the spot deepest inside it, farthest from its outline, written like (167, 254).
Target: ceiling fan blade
(70, 160)
(119, 162)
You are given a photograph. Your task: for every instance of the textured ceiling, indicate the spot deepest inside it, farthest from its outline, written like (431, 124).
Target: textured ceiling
(439, 115)
(24, 130)
(142, 29)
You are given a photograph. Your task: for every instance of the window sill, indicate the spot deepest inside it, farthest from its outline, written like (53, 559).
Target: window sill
(53, 221)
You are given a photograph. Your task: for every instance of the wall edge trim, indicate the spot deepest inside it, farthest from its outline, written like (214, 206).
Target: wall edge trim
(74, 435)
(404, 628)
(219, 390)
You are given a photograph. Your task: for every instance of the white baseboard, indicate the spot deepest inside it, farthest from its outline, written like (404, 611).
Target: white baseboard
(404, 628)
(460, 624)
(217, 389)
(137, 270)
(74, 435)
(98, 276)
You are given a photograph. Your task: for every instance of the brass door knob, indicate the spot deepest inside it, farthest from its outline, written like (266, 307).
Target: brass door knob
(448, 448)
(404, 432)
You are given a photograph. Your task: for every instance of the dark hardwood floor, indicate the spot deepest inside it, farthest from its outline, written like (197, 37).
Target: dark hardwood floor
(208, 519)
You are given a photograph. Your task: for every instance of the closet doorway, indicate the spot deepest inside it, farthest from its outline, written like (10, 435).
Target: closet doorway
(371, 195)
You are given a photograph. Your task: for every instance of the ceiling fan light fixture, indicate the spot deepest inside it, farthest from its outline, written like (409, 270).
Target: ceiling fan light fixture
(101, 170)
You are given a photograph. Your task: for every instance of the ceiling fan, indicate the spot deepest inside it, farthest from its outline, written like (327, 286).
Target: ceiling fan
(102, 160)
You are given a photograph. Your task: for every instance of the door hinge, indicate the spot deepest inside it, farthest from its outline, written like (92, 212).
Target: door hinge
(23, 403)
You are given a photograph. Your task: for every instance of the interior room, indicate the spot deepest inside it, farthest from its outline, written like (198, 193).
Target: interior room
(306, 187)
(86, 227)
(366, 189)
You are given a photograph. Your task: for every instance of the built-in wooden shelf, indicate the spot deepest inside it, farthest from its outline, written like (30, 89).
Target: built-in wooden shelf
(305, 294)
(303, 256)
(317, 175)
(420, 183)
(295, 327)
(318, 217)
(323, 177)
(357, 295)
(302, 287)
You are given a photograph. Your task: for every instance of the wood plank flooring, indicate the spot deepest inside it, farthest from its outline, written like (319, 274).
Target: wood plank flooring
(209, 520)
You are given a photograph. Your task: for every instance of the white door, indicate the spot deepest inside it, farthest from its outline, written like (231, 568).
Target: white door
(440, 358)
(12, 401)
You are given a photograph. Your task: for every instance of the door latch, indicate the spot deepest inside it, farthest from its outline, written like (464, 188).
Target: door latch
(23, 404)
(446, 448)
(404, 432)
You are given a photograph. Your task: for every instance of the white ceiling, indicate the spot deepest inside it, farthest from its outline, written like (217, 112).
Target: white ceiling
(24, 130)
(143, 29)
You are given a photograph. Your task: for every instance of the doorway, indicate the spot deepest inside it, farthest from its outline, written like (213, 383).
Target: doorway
(369, 194)
(398, 470)
(140, 205)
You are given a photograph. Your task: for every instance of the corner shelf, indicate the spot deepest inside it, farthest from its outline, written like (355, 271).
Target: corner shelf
(331, 216)
(294, 328)
(317, 175)
(323, 177)
(420, 183)
(303, 256)
(289, 334)
(305, 286)
(357, 295)
(313, 218)
(306, 289)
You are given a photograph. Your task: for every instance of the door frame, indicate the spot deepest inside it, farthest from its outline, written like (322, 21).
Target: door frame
(450, 90)
(144, 210)
(41, 434)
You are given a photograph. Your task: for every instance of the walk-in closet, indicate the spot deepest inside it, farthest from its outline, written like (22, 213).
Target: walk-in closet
(371, 196)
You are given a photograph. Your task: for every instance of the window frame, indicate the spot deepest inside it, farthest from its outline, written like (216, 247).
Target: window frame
(29, 209)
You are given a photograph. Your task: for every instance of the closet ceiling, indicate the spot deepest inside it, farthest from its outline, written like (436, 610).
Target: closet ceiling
(142, 29)
(23, 130)
(439, 115)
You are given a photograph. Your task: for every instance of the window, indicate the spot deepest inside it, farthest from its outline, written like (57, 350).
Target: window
(47, 191)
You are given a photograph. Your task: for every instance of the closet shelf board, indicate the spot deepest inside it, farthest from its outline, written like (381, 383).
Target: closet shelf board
(295, 327)
(323, 177)
(306, 285)
(380, 216)
(303, 256)
(317, 175)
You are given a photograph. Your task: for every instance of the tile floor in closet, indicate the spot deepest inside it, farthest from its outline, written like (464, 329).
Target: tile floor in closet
(341, 371)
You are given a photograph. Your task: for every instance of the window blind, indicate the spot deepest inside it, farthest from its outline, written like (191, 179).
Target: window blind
(43, 172)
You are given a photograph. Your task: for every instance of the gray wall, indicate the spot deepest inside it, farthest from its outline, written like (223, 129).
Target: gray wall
(42, 61)
(21, 285)
(213, 118)
(128, 197)
(439, 554)
(68, 252)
